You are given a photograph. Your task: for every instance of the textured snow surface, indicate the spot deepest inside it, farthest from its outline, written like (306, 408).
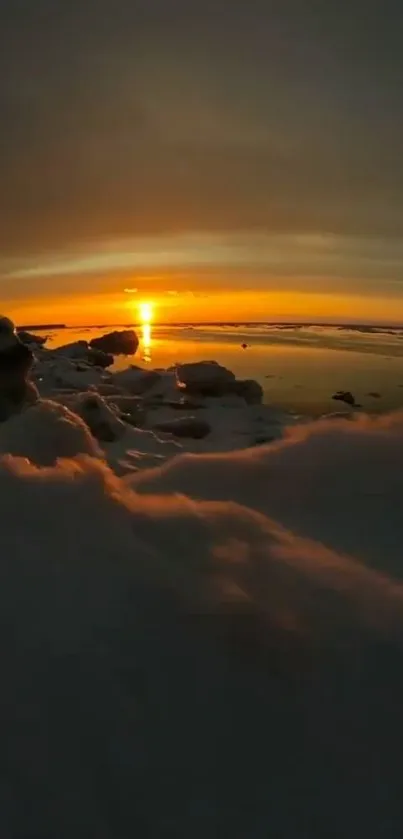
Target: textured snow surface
(211, 647)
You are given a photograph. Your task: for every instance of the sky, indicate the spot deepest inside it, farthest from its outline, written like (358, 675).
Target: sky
(223, 159)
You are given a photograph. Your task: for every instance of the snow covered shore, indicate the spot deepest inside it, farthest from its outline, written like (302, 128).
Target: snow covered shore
(201, 635)
(139, 416)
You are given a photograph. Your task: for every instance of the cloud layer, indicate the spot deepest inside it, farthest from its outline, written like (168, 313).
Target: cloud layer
(117, 124)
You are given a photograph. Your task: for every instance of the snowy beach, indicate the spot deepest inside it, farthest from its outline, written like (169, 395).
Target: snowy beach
(201, 419)
(202, 609)
(299, 366)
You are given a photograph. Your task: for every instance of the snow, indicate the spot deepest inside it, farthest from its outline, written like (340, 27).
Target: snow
(46, 432)
(339, 481)
(199, 637)
(173, 667)
(53, 373)
(154, 399)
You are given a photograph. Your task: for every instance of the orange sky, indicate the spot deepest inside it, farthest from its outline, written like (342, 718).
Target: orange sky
(209, 277)
(244, 155)
(121, 307)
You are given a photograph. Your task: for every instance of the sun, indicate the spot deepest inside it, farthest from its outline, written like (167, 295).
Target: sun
(146, 312)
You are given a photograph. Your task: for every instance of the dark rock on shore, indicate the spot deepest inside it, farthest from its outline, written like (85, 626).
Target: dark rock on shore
(347, 397)
(81, 351)
(15, 364)
(249, 390)
(124, 342)
(207, 378)
(185, 427)
(29, 338)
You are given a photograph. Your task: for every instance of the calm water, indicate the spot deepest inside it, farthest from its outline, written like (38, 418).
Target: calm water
(299, 367)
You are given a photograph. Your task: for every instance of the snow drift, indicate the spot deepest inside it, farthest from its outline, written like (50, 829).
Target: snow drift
(212, 647)
(336, 481)
(174, 667)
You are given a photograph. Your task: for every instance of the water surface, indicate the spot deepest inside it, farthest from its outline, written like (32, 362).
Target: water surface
(299, 367)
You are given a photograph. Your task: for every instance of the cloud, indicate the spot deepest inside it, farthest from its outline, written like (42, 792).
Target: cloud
(321, 263)
(205, 125)
(131, 290)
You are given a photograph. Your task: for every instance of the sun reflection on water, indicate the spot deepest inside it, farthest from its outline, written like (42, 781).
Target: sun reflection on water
(146, 342)
(146, 312)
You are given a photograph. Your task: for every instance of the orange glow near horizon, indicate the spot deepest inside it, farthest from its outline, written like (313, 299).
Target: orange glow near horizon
(114, 308)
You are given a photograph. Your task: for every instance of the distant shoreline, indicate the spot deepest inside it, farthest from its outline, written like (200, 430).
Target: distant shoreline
(359, 327)
(41, 326)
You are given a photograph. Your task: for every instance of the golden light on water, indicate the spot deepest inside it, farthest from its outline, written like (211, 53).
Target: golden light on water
(146, 312)
(146, 342)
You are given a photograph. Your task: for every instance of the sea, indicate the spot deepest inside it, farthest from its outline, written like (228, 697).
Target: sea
(300, 366)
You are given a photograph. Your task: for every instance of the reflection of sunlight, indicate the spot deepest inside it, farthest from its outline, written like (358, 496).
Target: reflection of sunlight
(146, 341)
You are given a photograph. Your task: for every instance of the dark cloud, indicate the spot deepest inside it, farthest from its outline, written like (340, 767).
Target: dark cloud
(125, 117)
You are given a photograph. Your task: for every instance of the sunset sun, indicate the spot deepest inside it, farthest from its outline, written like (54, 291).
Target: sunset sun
(146, 312)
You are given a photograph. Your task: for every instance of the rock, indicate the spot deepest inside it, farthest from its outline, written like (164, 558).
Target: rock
(345, 396)
(81, 351)
(249, 390)
(99, 358)
(206, 378)
(74, 350)
(124, 342)
(185, 427)
(263, 439)
(77, 377)
(16, 360)
(15, 357)
(6, 326)
(154, 385)
(15, 399)
(28, 338)
(136, 380)
(229, 400)
(100, 417)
